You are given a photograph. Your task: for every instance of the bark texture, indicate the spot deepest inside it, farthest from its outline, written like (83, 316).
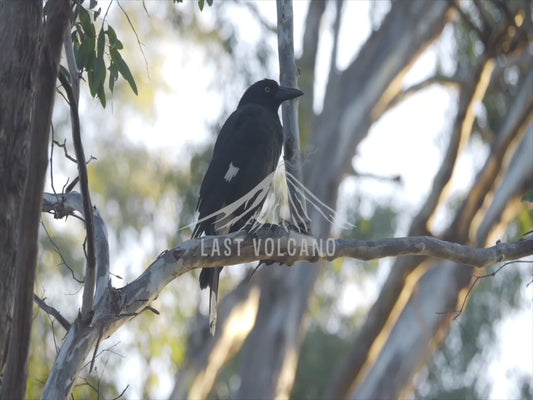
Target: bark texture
(19, 49)
(15, 377)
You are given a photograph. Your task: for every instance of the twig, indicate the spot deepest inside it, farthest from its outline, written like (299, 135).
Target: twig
(121, 393)
(139, 43)
(390, 178)
(73, 69)
(52, 311)
(252, 7)
(52, 159)
(96, 350)
(477, 278)
(436, 79)
(58, 250)
(64, 147)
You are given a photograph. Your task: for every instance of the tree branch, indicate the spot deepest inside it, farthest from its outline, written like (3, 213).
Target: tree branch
(73, 69)
(511, 133)
(291, 147)
(90, 272)
(52, 311)
(62, 205)
(461, 131)
(275, 243)
(270, 242)
(307, 62)
(436, 79)
(334, 50)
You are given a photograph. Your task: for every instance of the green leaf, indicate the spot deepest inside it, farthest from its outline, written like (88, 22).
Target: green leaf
(111, 35)
(82, 54)
(85, 21)
(75, 36)
(113, 40)
(100, 44)
(101, 96)
(93, 4)
(201, 4)
(99, 72)
(113, 76)
(97, 13)
(123, 69)
(86, 52)
(90, 81)
(77, 55)
(66, 72)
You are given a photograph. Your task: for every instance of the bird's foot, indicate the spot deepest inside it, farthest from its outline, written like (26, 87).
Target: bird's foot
(300, 227)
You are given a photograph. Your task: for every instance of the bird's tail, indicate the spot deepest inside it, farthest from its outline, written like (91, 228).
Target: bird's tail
(210, 277)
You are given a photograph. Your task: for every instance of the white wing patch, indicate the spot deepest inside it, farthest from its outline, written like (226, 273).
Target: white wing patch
(231, 172)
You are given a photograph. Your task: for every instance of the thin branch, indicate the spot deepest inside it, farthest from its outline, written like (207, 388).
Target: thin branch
(71, 203)
(121, 393)
(334, 50)
(90, 275)
(58, 250)
(477, 278)
(307, 61)
(51, 159)
(64, 147)
(252, 8)
(75, 73)
(52, 311)
(139, 43)
(436, 79)
(291, 147)
(382, 178)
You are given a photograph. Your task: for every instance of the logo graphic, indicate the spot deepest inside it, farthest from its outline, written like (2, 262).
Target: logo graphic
(273, 190)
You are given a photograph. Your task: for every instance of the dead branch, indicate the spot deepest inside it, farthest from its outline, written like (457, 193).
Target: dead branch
(52, 311)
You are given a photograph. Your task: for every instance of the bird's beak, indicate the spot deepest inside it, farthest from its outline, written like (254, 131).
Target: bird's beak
(287, 93)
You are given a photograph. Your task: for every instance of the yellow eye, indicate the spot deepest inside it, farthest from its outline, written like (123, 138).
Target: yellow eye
(267, 89)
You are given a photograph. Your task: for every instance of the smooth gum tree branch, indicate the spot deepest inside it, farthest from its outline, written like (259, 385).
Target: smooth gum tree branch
(270, 242)
(291, 131)
(90, 270)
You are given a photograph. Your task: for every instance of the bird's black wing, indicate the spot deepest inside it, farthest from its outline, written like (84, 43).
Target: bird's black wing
(247, 150)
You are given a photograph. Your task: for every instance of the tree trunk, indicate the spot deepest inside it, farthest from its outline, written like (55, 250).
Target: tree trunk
(19, 49)
(355, 98)
(58, 11)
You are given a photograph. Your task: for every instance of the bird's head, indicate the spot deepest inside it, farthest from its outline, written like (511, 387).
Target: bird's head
(269, 94)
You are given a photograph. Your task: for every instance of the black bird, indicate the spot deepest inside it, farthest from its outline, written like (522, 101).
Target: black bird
(246, 153)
